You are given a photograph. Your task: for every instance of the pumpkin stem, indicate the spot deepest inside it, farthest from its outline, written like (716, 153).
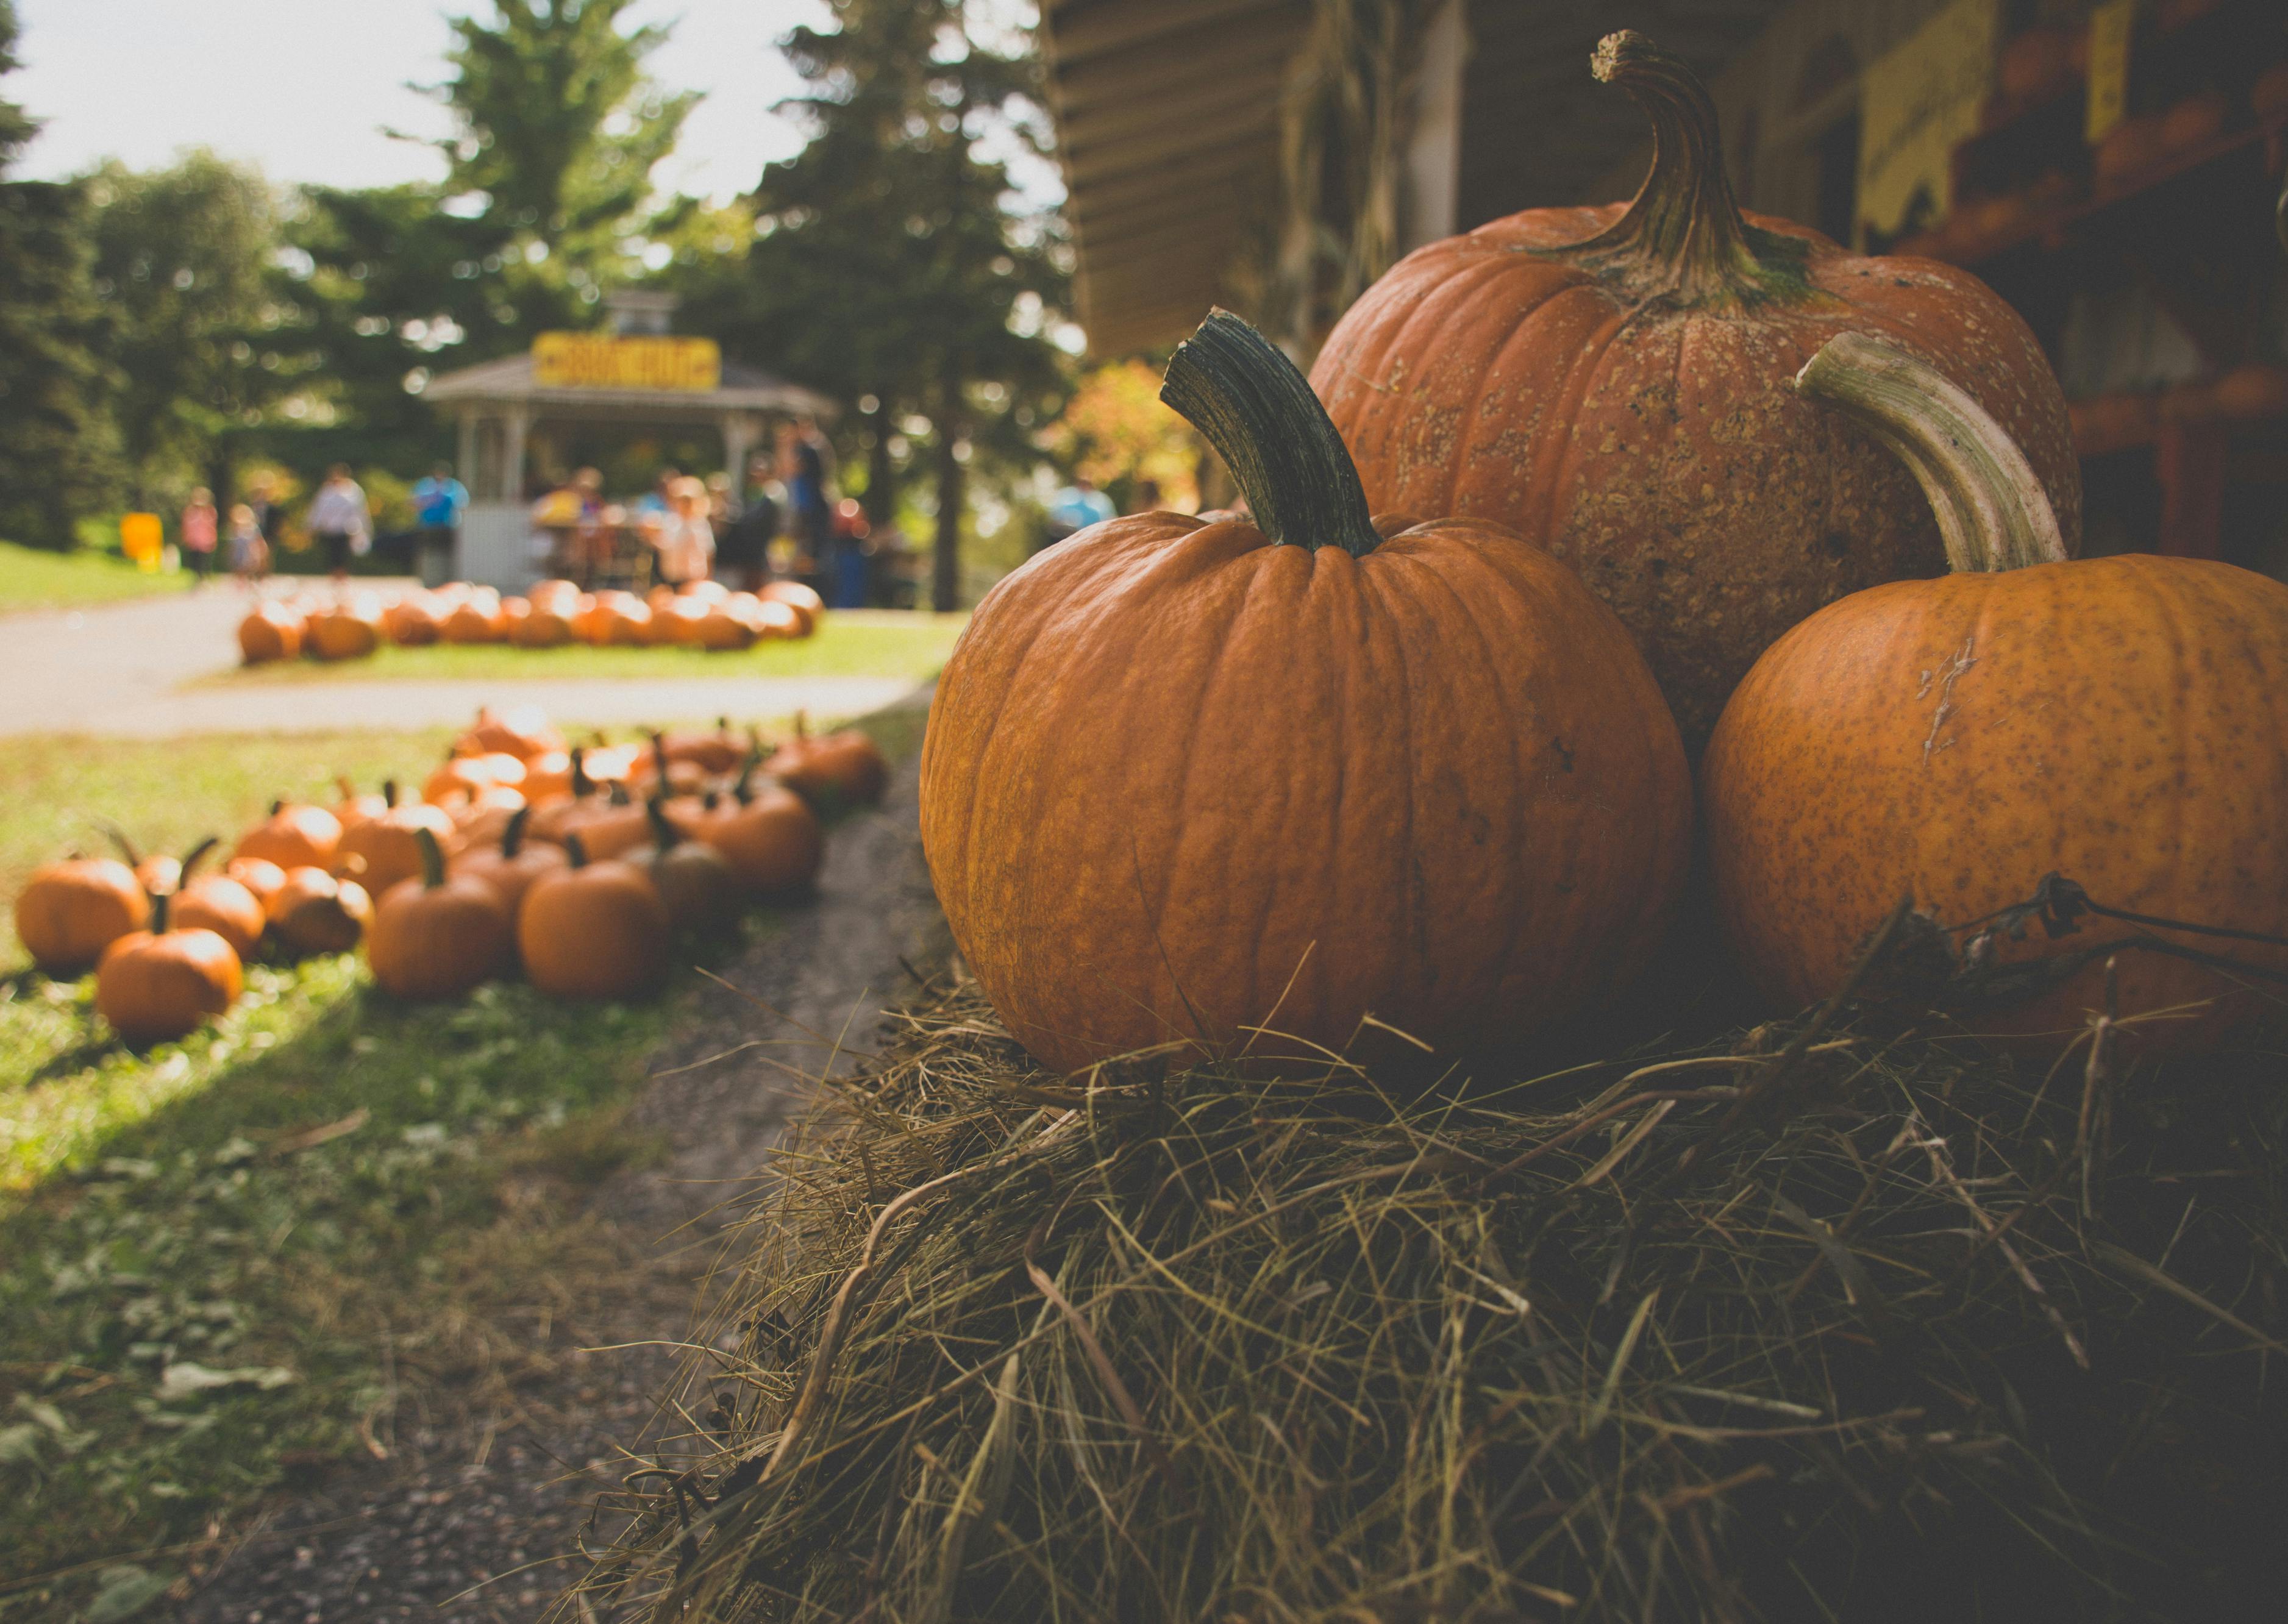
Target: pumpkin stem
(389, 792)
(432, 858)
(582, 784)
(575, 852)
(664, 835)
(1235, 387)
(1683, 238)
(161, 907)
(118, 837)
(1992, 511)
(513, 837)
(193, 858)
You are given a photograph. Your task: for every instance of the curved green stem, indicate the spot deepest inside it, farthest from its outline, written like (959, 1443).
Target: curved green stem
(513, 837)
(1992, 511)
(193, 858)
(161, 908)
(432, 858)
(664, 835)
(575, 852)
(1230, 381)
(1683, 238)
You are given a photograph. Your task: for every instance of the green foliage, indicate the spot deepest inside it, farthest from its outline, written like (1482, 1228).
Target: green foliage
(56, 445)
(36, 578)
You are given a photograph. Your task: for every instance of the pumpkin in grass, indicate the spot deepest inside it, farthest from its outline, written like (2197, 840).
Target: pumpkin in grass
(218, 903)
(2116, 721)
(724, 629)
(351, 629)
(510, 866)
(270, 630)
(714, 752)
(413, 622)
(69, 912)
(153, 871)
(808, 606)
(314, 912)
(547, 626)
(771, 837)
(261, 877)
(832, 770)
(479, 618)
(682, 618)
(160, 983)
(382, 851)
(437, 935)
(692, 878)
(355, 808)
(1614, 384)
(592, 930)
(293, 836)
(484, 815)
(608, 824)
(459, 777)
(1185, 780)
(522, 730)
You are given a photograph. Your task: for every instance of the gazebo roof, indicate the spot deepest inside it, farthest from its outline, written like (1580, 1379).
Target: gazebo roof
(509, 381)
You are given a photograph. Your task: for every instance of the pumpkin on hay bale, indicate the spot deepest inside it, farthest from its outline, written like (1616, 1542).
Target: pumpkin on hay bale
(1823, 1321)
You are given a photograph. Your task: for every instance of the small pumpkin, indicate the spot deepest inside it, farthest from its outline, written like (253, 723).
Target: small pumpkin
(351, 629)
(293, 836)
(769, 836)
(610, 824)
(809, 608)
(461, 777)
(261, 877)
(154, 871)
(413, 622)
(218, 903)
(683, 617)
(1193, 783)
(593, 929)
(270, 630)
(385, 848)
(69, 912)
(314, 912)
(696, 881)
(1614, 384)
(160, 983)
(724, 629)
(832, 770)
(2113, 720)
(714, 752)
(546, 625)
(512, 867)
(437, 935)
(479, 618)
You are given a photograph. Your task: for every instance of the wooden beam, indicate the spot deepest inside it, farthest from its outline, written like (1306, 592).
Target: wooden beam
(1232, 50)
(1197, 209)
(1079, 133)
(1090, 198)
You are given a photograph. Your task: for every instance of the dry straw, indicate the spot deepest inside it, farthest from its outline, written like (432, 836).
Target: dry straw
(1824, 1321)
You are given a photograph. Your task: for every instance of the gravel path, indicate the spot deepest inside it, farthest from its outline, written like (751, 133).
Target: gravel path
(472, 1519)
(114, 670)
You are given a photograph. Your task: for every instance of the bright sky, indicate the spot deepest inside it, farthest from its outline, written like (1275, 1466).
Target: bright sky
(303, 88)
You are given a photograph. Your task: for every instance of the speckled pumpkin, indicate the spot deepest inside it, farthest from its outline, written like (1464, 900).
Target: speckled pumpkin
(2118, 721)
(1183, 780)
(1612, 382)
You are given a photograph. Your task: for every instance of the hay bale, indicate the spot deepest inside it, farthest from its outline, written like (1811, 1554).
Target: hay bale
(1863, 1327)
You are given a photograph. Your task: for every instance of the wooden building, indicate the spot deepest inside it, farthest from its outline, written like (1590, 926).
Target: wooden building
(2110, 166)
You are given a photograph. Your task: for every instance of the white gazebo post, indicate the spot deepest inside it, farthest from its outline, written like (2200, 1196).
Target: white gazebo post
(741, 432)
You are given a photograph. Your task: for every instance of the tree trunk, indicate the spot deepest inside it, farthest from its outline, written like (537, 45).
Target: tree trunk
(952, 494)
(220, 475)
(881, 474)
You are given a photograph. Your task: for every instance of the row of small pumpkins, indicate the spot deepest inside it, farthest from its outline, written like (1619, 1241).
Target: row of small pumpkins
(705, 614)
(583, 864)
(1692, 483)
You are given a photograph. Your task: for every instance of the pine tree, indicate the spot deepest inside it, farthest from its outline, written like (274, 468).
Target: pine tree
(55, 439)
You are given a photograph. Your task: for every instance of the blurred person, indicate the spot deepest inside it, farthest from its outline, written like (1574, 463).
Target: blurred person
(262, 501)
(199, 535)
(659, 501)
(250, 552)
(565, 522)
(806, 467)
(853, 557)
(340, 522)
(1075, 509)
(439, 501)
(683, 541)
(742, 551)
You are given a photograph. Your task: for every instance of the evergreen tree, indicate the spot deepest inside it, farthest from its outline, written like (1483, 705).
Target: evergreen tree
(55, 438)
(891, 268)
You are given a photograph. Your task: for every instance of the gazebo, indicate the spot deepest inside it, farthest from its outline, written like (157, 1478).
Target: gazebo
(636, 375)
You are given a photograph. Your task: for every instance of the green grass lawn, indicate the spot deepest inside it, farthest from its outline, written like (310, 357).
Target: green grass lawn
(866, 643)
(230, 1261)
(33, 578)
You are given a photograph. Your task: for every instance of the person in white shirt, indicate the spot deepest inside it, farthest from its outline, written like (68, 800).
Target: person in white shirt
(340, 522)
(683, 539)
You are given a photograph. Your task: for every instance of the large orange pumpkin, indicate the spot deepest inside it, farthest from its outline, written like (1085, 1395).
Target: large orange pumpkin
(70, 911)
(382, 851)
(351, 629)
(1183, 780)
(312, 912)
(1612, 382)
(2116, 721)
(593, 929)
(270, 632)
(293, 836)
(437, 935)
(156, 985)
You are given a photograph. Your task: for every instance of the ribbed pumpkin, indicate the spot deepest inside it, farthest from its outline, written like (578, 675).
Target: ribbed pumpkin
(157, 985)
(293, 836)
(832, 770)
(512, 867)
(769, 836)
(1183, 780)
(270, 630)
(1612, 382)
(592, 930)
(2116, 721)
(382, 851)
(69, 912)
(437, 935)
(314, 912)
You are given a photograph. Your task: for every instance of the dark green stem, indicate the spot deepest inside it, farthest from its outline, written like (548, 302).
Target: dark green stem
(513, 837)
(389, 793)
(1683, 238)
(193, 857)
(432, 858)
(575, 854)
(582, 784)
(1231, 384)
(162, 905)
(664, 835)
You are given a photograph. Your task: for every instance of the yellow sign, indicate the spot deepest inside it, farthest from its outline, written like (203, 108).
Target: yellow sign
(2109, 28)
(1918, 101)
(140, 539)
(603, 360)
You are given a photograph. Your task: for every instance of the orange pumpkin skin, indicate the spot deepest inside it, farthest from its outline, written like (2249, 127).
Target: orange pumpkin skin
(599, 931)
(1628, 407)
(772, 841)
(349, 631)
(294, 836)
(315, 913)
(262, 878)
(382, 851)
(510, 866)
(154, 988)
(69, 912)
(224, 906)
(809, 608)
(437, 935)
(270, 632)
(845, 767)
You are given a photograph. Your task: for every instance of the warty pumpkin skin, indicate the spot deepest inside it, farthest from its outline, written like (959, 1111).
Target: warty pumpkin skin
(437, 935)
(1182, 779)
(1614, 384)
(157, 985)
(2118, 721)
(593, 929)
(69, 912)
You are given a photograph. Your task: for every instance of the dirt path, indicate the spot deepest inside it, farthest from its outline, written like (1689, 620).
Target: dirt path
(115, 670)
(471, 1519)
